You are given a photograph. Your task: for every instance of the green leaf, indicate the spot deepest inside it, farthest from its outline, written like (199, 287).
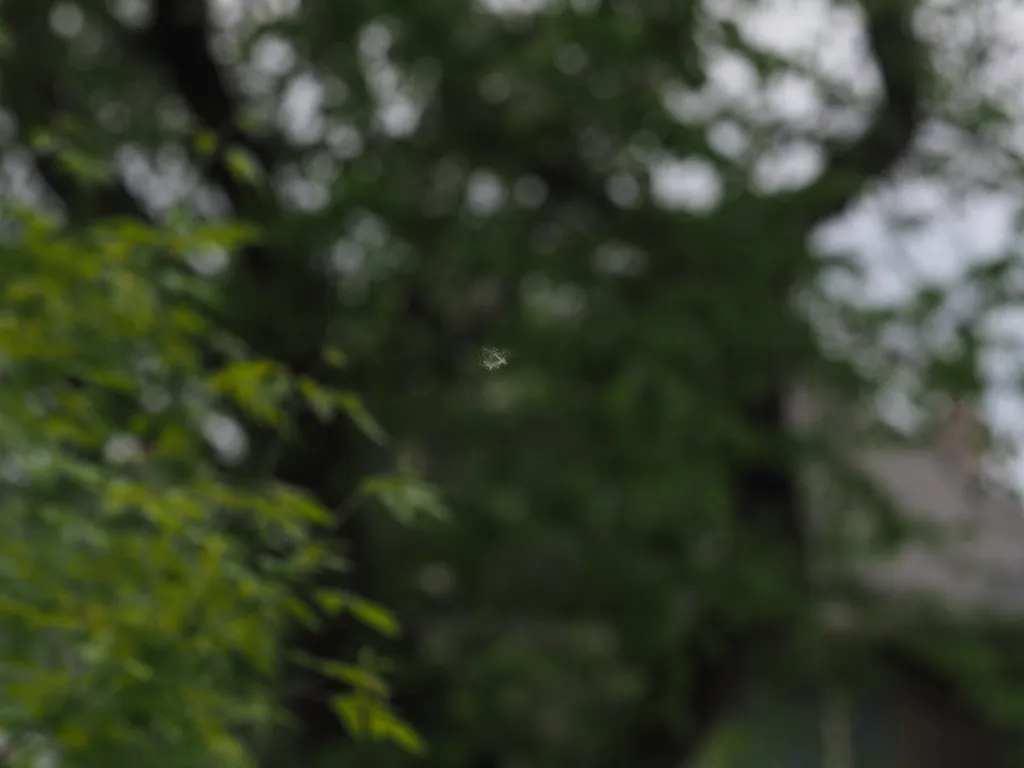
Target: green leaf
(331, 601)
(359, 678)
(205, 143)
(402, 734)
(257, 386)
(302, 613)
(367, 716)
(353, 709)
(373, 615)
(43, 141)
(406, 497)
(354, 408)
(243, 165)
(83, 166)
(229, 235)
(334, 357)
(320, 400)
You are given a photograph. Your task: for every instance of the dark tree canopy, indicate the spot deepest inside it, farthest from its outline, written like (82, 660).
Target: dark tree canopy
(538, 245)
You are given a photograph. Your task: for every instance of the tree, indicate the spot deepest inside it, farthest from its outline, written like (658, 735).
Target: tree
(625, 545)
(147, 586)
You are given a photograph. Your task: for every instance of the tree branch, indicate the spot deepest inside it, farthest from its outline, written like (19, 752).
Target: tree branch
(901, 60)
(177, 42)
(723, 652)
(720, 673)
(178, 39)
(36, 98)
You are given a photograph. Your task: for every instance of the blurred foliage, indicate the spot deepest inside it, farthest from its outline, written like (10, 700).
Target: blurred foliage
(138, 625)
(536, 260)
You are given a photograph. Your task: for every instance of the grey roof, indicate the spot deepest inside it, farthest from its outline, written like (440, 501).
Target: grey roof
(974, 563)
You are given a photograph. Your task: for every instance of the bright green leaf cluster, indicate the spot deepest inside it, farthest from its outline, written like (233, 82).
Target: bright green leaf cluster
(137, 622)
